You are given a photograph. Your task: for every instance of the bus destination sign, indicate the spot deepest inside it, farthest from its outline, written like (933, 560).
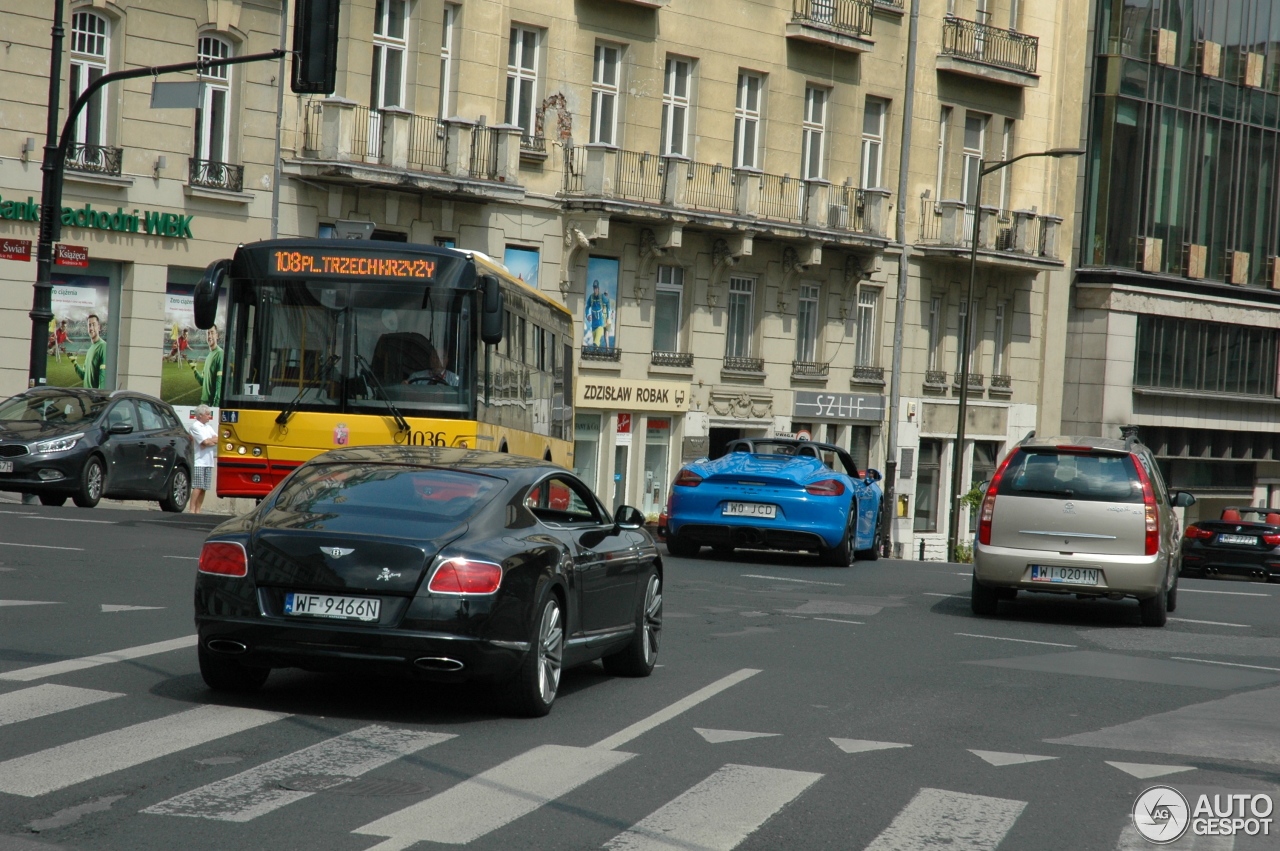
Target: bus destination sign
(343, 264)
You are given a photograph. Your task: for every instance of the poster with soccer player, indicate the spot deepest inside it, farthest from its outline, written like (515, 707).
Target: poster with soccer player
(78, 332)
(599, 320)
(191, 367)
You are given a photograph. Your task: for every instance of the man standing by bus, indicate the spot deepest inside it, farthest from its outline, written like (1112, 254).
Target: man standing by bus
(211, 379)
(95, 357)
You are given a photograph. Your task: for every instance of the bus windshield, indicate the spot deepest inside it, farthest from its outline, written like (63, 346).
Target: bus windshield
(351, 346)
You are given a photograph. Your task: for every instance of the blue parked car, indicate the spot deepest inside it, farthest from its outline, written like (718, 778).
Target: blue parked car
(775, 493)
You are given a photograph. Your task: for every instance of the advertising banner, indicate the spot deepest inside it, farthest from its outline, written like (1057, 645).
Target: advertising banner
(78, 332)
(599, 321)
(523, 263)
(191, 368)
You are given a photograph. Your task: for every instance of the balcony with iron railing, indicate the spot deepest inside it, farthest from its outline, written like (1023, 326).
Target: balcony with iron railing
(809, 369)
(1006, 237)
(603, 172)
(1001, 385)
(842, 24)
(868, 375)
(977, 49)
(208, 174)
(744, 365)
(607, 354)
(675, 360)
(94, 159)
(935, 379)
(976, 381)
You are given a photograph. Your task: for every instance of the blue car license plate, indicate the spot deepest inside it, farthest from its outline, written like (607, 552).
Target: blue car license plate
(750, 509)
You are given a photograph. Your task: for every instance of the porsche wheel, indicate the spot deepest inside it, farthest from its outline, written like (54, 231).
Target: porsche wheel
(876, 539)
(841, 555)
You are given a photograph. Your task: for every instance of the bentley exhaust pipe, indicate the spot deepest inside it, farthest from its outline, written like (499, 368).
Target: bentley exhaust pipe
(438, 663)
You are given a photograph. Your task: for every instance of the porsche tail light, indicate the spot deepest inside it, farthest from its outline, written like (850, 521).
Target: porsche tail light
(1149, 502)
(1196, 533)
(988, 509)
(224, 558)
(465, 576)
(688, 479)
(826, 487)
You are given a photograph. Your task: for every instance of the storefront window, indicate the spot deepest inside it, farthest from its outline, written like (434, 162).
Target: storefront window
(927, 479)
(657, 452)
(586, 449)
(986, 455)
(860, 446)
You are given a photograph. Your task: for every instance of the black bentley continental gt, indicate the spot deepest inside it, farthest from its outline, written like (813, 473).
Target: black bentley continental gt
(442, 564)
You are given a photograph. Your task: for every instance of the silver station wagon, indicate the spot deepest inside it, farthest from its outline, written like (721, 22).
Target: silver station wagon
(1079, 515)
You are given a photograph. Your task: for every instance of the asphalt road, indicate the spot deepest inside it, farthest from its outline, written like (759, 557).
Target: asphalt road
(795, 707)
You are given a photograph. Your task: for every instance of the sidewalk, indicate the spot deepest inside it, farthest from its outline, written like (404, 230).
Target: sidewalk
(213, 505)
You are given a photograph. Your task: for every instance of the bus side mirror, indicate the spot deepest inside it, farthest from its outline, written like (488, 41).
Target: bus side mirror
(491, 311)
(204, 301)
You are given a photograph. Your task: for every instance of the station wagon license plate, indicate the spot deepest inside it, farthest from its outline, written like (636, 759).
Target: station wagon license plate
(329, 606)
(6, 466)
(1073, 575)
(750, 509)
(1238, 539)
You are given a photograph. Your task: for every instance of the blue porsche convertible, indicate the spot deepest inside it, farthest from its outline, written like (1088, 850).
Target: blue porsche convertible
(775, 493)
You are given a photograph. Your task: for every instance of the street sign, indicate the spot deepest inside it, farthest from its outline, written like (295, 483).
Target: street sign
(70, 255)
(15, 249)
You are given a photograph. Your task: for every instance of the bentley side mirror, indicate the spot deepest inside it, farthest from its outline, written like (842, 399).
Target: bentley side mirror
(627, 517)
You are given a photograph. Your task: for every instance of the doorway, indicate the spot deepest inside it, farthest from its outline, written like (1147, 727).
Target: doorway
(720, 438)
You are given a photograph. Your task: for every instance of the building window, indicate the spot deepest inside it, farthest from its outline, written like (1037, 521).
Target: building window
(968, 312)
(522, 78)
(675, 106)
(746, 120)
(1006, 174)
(813, 133)
(975, 131)
(667, 314)
(89, 42)
(741, 317)
(935, 333)
(604, 94)
(998, 342)
(807, 324)
(657, 452)
(873, 143)
(944, 124)
(928, 478)
(1209, 357)
(386, 80)
(986, 456)
(212, 119)
(446, 57)
(866, 352)
(860, 446)
(586, 449)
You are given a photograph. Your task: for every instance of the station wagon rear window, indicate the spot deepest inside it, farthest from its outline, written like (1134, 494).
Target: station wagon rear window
(1072, 475)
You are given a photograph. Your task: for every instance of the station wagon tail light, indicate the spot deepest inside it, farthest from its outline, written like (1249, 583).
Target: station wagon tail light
(1196, 533)
(1149, 502)
(224, 558)
(826, 487)
(465, 576)
(688, 479)
(988, 510)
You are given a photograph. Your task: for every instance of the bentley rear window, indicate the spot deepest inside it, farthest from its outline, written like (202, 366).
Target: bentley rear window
(382, 490)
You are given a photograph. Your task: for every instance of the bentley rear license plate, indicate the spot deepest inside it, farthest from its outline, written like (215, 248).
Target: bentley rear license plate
(750, 509)
(328, 606)
(1238, 539)
(1073, 575)
(6, 466)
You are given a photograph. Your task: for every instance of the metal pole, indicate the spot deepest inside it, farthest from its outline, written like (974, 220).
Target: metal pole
(900, 307)
(275, 176)
(957, 453)
(50, 208)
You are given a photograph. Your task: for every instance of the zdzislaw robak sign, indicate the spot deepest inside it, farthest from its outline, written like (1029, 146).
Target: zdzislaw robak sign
(624, 394)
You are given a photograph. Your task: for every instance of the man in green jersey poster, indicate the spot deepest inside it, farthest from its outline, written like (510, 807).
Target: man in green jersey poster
(95, 357)
(211, 379)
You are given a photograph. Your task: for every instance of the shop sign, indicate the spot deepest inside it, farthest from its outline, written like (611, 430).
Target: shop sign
(623, 437)
(70, 255)
(632, 395)
(152, 222)
(816, 405)
(15, 249)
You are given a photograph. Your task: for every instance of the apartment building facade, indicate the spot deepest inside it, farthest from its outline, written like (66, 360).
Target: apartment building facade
(711, 188)
(1175, 309)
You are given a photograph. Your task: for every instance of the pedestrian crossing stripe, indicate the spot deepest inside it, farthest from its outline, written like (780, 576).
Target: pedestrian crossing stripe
(48, 699)
(937, 818)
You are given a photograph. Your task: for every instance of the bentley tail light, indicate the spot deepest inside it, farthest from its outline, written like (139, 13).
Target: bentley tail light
(826, 487)
(224, 558)
(464, 576)
(1149, 502)
(688, 479)
(988, 510)
(1196, 533)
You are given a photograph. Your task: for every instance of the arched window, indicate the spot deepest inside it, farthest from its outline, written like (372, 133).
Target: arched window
(89, 43)
(213, 114)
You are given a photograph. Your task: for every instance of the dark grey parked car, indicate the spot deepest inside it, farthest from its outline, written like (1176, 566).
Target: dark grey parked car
(59, 442)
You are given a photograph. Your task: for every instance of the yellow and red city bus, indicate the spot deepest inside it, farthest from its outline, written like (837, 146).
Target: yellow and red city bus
(332, 343)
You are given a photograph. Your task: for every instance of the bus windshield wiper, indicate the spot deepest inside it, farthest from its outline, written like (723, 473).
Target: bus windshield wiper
(283, 417)
(401, 423)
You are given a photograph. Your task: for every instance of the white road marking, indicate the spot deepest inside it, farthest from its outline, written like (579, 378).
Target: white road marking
(1019, 640)
(644, 725)
(493, 798)
(34, 702)
(1230, 664)
(40, 546)
(1001, 759)
(259, 790)
(108, 607)
(1232, 593)
(66, 765)
(185, 558)
(788, 579)
(864, 745)
(60, 519)
(29, 603)
(715, 737)
(1143, 771)
(959, 822)
(53, 669)
(936, 594)
(718, 813)
(1131, 840)
(1212, 623)
(837, 620)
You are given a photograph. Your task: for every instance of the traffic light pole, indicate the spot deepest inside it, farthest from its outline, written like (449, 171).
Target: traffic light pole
(55, 157)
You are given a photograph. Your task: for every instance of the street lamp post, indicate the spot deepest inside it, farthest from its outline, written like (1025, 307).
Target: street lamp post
(957, 453)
